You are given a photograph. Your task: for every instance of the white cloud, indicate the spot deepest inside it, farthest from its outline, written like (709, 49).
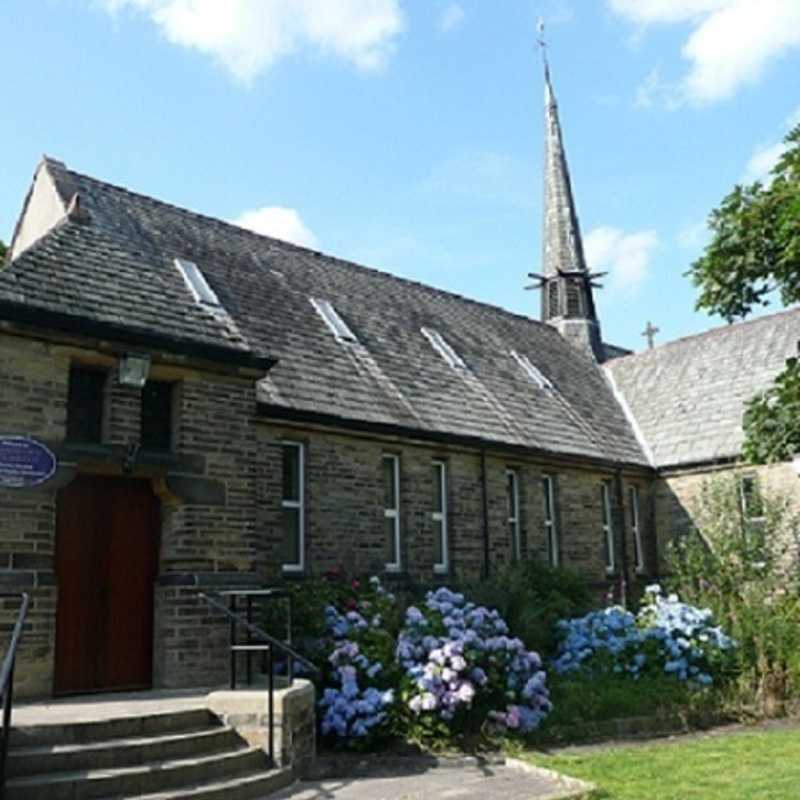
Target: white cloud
(452, 17)
(249, 36)
(766, 156)
(278, 222)
(655, 90)
(626, 256)
(694, 236)
(731, 42)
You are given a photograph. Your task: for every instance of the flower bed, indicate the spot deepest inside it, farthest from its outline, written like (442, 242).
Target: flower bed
(450, 670)
(461, 667)
(666, 635)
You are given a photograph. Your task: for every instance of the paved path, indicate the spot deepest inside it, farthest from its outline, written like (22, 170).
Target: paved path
(418, 780)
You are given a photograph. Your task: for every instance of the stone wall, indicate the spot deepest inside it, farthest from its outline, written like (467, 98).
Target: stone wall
(207, 487)
(33, 391)
(344, 514)
(295, 730)
(678, 495)
(220, 494)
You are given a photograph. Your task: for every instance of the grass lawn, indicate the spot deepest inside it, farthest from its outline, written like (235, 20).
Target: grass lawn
(751, 765)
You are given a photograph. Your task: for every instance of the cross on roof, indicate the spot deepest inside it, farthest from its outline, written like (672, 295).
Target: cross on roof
(650, 333)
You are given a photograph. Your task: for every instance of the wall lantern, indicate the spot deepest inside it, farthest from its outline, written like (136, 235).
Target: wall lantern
(133, 369)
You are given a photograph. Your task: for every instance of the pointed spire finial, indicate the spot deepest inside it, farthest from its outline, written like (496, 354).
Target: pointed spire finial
(542, 42)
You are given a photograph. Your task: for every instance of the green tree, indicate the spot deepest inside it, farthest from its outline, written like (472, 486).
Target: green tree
(755, 252)
(3, 250)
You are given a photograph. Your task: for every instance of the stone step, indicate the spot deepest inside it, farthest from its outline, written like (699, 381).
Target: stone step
(122, 727)
(122, 752)
(152, 777)
(252, 786)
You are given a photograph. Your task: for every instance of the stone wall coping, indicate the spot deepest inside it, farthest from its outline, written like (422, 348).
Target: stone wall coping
(253, 702)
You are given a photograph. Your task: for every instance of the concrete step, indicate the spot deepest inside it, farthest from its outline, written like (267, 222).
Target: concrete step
(122, 752)
(152, 777)
(253, 786)
(122, 727)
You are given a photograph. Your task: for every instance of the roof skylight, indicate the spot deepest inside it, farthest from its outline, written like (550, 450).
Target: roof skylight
(531, 371)
(197, 283)
(333, 320)
(443, 348)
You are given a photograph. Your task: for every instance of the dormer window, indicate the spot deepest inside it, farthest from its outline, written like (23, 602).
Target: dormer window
(197, 283)
(443, 348)
(332, 319)
(531, 371)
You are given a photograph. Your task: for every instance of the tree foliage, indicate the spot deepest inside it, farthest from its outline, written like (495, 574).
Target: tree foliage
(3, 250)
(771, 420)
(755, 248)
(755, 251)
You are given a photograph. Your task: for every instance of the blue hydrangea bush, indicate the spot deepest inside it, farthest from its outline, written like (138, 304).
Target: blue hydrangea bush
(461, 672)
(358, 694)
(666, 636)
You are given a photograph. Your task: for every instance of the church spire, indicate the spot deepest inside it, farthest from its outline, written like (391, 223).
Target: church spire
(566, 283)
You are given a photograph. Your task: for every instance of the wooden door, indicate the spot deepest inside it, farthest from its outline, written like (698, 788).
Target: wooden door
(107, 535)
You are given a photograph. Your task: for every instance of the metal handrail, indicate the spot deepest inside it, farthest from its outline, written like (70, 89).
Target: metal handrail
(268, 650)
(260, 633)
(7, 681)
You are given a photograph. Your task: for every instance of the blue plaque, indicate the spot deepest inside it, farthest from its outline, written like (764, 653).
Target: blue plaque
(24, 462)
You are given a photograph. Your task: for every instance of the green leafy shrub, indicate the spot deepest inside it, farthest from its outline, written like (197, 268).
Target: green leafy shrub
(745, 571)
(532, 597)
(310, 599)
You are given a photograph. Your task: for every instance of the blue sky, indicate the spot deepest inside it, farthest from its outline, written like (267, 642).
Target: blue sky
(407, 134)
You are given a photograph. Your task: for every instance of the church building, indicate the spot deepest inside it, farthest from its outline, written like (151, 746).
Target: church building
(228, 410)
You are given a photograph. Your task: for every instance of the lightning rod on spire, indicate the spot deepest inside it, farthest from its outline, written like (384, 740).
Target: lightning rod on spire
(542, 42)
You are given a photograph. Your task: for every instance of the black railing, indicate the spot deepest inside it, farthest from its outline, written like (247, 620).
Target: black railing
(258, 641)
(7, 681)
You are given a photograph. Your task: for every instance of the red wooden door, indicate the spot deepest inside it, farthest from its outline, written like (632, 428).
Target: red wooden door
(106, 564)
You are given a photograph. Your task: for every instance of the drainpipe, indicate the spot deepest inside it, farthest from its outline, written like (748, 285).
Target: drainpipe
(653, 553)
(624, 540)
(485, 521)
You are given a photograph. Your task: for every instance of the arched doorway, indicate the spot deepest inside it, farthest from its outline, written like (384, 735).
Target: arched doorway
(107, 538)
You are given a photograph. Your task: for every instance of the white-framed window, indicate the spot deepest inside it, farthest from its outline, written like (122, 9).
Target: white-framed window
(750, 499)
(293, 507)
(633, 503)
(197, 283)
(443, 348)
(550, 527)
(512, 492)
(608, 528)
(332, 319)
(441, 561)
(391, 510)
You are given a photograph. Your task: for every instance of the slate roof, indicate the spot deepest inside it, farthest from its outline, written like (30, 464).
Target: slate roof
(687, 396)
(119, 264)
